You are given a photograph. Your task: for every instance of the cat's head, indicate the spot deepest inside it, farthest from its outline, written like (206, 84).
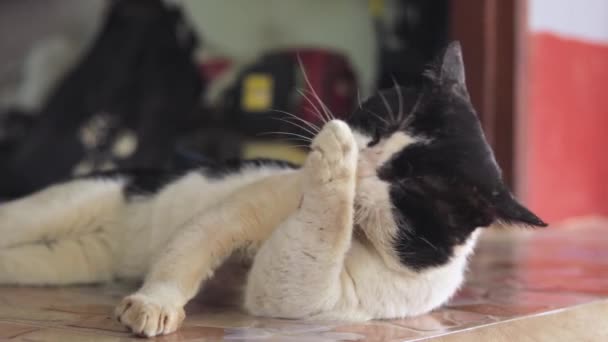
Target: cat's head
(426, 169)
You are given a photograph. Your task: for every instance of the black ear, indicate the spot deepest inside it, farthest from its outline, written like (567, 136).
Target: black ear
(452, 65)
(512, 212)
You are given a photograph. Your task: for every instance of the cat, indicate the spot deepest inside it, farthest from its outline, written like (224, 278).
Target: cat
(378, 223)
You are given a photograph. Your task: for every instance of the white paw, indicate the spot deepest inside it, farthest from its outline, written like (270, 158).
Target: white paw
(334, 153)
(146, 316)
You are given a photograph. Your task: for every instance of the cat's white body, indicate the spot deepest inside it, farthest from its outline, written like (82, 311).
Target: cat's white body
(314, 256)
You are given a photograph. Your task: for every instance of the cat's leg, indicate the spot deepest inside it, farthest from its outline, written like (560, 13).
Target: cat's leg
(60, 235)
(198, 248)
(298, 272)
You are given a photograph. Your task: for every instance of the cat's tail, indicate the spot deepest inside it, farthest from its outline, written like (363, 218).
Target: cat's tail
(60, 235)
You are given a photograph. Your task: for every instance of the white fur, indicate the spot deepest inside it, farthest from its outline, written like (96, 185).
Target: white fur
(320, 236)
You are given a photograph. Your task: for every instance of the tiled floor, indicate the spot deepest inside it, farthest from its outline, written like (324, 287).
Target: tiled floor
(556, 279)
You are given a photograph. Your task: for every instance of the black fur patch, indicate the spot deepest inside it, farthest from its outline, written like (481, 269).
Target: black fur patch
(138, 182)
(147, 182)
(448, 184)
(236, 165)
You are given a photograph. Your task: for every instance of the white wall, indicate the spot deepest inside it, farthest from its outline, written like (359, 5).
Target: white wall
(579, 19)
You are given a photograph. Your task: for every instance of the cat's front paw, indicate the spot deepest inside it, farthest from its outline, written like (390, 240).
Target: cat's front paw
(334, 153)
(145, 316)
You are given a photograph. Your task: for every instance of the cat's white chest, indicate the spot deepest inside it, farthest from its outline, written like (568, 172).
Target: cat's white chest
(382, 292)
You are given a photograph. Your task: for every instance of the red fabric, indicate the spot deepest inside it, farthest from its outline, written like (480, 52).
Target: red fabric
(566, 157)
(212, 69)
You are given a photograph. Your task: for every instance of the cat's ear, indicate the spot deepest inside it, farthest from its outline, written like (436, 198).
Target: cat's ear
(511, 212)
(452, 65)
(451, 72)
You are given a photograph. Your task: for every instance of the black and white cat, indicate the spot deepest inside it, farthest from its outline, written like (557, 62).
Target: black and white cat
(378, 223)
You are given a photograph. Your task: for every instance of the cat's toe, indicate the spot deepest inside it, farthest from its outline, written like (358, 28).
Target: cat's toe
(317, 168)
(334, 140)
(337, 151)
(146, 317)
(342, 134)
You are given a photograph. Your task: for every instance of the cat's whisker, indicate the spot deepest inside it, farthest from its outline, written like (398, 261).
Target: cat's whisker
(326, 109)
(314, 127)
(369, 111)
(388, 107)
(292, 139)
(324, 114)
(303, 137)
(309, 110)
(428, 243)
(412, 112)
(294, 143)
(316, 110)
(289, 141)
(313, 92)
(295, 124)
(359, 98)
(386, 122)
(400, 98)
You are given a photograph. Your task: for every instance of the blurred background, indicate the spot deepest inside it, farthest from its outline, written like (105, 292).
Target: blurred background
(100, 84)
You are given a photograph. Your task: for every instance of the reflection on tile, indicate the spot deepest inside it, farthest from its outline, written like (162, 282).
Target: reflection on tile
(12, 330)
(67, 335)
(99, 322)
(512, 275)
(444, 320)
(379, 331)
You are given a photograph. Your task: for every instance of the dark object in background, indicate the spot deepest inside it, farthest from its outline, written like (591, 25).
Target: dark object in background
(14, 127)
(210, 137)
(122, 105)
(289, 81)
(421, 31)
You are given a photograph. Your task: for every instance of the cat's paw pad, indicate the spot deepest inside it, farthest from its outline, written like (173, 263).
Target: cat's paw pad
(334, 152)
(145, 316)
